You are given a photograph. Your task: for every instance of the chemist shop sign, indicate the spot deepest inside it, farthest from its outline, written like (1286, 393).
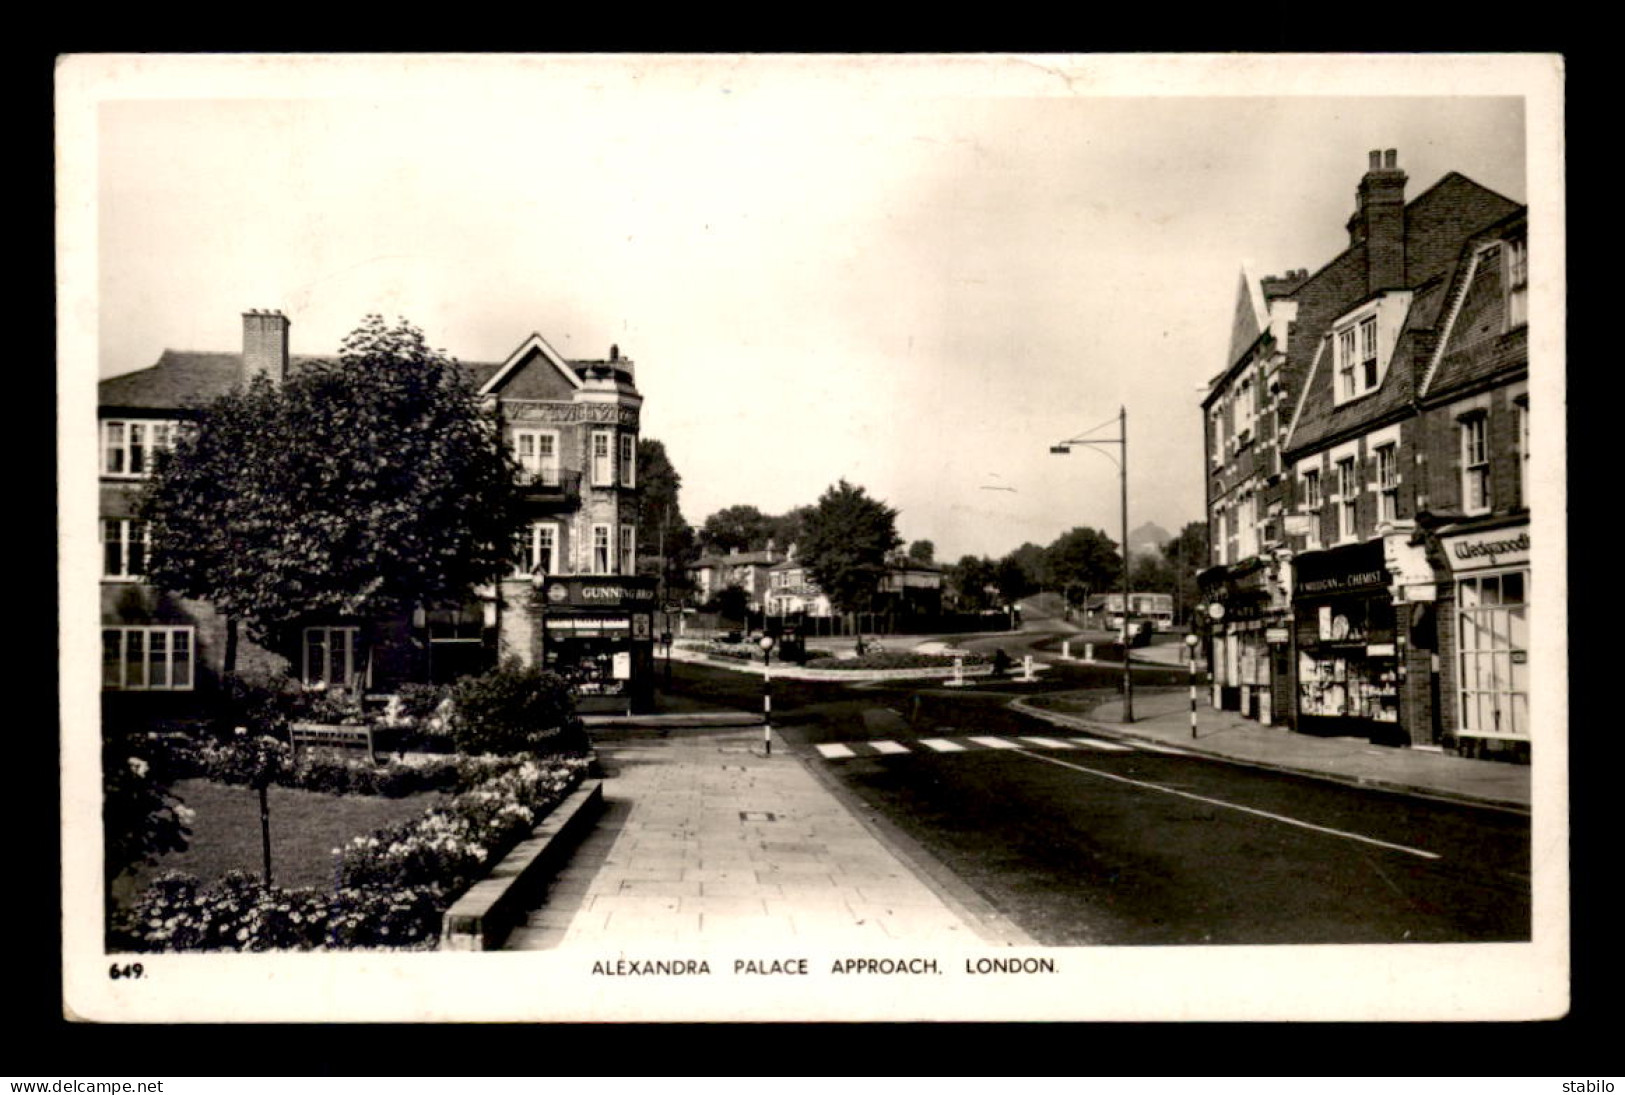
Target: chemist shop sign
(1481, 550)
(1360, 568)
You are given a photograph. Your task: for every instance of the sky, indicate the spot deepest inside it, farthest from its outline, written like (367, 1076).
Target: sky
(913, 273)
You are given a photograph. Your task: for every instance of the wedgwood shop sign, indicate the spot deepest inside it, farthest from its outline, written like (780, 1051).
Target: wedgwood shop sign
(1479, 550)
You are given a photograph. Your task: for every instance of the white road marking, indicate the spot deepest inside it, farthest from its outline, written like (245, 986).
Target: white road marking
(1050, 743)
(995, 743)
(942, 745)
(1104, 746)
(889, 747)
(832, 751)
(1234, 806)
(1162, 748)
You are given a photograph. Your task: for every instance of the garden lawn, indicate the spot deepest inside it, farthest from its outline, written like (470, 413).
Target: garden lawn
(305, 828)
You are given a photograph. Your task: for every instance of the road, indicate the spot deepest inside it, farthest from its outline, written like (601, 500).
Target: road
(1079, 840)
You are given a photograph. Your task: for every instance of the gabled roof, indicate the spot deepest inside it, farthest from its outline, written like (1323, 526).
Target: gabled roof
(1437, 222)
(188, 378)
(1473, 342)
(1251, 318)
(532, 347)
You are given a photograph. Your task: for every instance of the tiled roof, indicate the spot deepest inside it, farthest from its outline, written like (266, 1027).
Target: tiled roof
(744, 558)
(1437, 224)
(184, 378)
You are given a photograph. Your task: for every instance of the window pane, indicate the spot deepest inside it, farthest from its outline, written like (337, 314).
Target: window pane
(1512, 589)
(136, 548)
(135, 665)
(113, 442)
(158, 659)
(112, 653)
(1518, 628)
(182, 660)
(315, 655)
(1491, 590)
(1467, 593)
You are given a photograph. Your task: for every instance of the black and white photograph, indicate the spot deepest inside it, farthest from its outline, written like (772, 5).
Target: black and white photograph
(829, 538)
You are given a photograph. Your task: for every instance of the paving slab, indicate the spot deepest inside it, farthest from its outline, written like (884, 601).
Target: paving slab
(706, 840)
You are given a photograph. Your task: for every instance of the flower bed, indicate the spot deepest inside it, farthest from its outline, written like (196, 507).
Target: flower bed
(238, 762)
(902, 659)
(391, 886)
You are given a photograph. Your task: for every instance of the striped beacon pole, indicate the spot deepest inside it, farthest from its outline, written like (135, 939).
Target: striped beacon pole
(767, 695)
(1190, 644)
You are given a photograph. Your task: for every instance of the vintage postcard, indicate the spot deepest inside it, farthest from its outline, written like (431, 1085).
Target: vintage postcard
(812, 537)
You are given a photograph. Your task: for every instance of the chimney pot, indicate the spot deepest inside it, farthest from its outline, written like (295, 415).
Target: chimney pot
(1390, 159)
(1376, 160)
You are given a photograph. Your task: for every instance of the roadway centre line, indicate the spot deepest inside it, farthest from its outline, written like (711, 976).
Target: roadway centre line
(1233, 806)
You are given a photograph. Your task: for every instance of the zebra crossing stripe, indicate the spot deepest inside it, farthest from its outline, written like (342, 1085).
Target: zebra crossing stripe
(1107, 746)
(888, 747)
(942, 745)
(833, 751)
(1050, 743)
(995, 743)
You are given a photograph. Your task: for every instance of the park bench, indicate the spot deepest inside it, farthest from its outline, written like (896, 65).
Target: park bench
(310, 735)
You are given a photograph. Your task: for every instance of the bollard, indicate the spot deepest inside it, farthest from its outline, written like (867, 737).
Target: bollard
(1066, 650)
(1027, 668)
(1088, 652)
(959, 670)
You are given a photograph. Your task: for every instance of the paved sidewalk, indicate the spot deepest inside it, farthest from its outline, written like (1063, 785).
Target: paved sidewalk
(707, 841)
(1165, 716)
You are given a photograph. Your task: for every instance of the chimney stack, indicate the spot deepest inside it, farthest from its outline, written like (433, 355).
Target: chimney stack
(1378, 223)
(265, 345)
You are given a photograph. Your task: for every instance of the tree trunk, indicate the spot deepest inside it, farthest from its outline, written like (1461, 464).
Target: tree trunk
(228, 662)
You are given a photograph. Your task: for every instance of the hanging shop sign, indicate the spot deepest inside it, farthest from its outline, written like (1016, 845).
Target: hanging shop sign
(1413, 575)
(1492, 548)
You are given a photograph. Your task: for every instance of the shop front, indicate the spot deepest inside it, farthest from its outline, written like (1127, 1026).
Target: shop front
(598, 634)
(1487, 678)
(1348, 644)
(1249, 616)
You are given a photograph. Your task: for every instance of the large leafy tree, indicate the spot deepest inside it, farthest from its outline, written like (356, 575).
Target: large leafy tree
(360, 486)
(664, 536)
(845, 541)
(922, 551)
(968, 581)
(1082, 561)
(743, 527)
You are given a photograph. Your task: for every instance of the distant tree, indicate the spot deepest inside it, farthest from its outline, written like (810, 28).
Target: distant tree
(664, 537)
(922, 551)
(845, 542)
(731, 602)
(787, 529)
(1012, 580)
(744, 528)
(1152, 574)
(968, 582)
(1083, 561)
(1033, 563)
(1187, 556)
(361, 486)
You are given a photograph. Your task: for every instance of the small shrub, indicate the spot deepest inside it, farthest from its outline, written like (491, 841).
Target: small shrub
(515, 709)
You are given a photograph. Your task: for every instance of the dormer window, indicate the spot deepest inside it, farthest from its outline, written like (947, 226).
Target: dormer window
(1517, 259)
(1362, 344)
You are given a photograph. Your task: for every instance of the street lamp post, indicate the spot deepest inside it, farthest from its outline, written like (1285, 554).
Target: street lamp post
(1121, 440)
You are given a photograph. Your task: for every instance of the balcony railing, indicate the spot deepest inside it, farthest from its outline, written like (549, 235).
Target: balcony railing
(559, 483)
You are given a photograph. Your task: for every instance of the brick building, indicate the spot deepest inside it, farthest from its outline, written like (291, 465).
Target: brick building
(1326, 550)
(573, 426)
